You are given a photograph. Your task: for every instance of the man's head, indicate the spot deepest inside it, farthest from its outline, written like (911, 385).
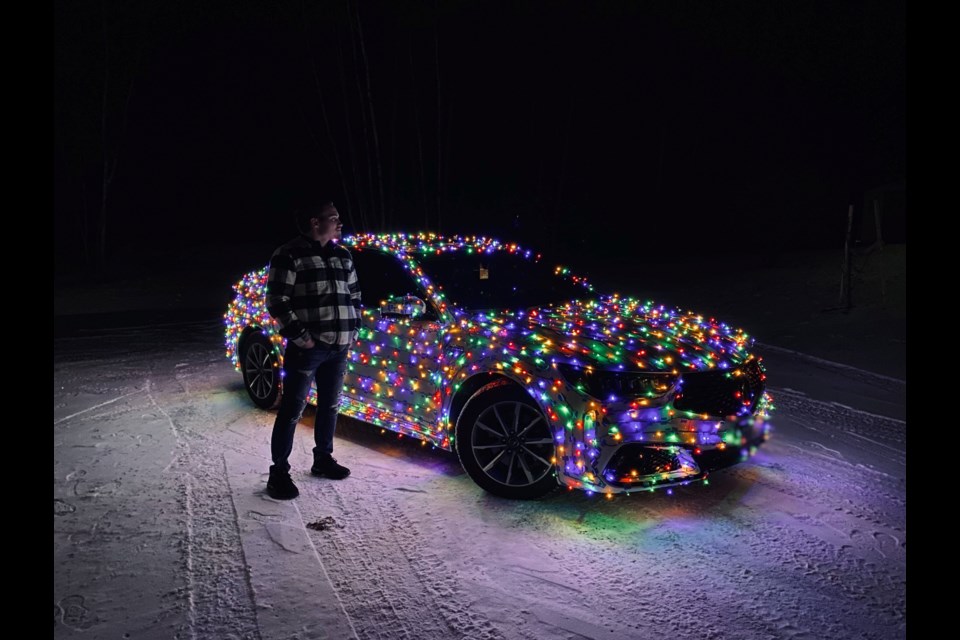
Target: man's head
(320, 223)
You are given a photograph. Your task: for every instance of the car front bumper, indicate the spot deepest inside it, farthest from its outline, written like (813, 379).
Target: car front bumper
(646, 456)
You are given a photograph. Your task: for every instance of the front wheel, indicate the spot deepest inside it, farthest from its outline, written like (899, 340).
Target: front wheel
(505, 444)
(260, 365)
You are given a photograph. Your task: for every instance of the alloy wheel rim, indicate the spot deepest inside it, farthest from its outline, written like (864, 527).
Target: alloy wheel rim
(260, 370)
(512, 444)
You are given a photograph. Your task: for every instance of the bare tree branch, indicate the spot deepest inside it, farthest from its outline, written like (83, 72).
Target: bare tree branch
(436, 57)
(110, 157)
(323, 109)
(373, 119)
(350, 146)
(363, 111)
(416, 124)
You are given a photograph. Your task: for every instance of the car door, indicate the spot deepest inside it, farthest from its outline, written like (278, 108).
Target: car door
(392, 377)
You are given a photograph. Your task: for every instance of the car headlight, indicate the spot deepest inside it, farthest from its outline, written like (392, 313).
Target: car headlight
(621, 384)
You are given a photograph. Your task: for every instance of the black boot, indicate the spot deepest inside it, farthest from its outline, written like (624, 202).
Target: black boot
(280, 486)
(326, 466)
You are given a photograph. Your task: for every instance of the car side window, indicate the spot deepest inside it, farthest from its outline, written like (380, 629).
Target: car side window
(382, 276)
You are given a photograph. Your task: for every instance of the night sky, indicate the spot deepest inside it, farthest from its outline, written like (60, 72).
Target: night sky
(619, 127)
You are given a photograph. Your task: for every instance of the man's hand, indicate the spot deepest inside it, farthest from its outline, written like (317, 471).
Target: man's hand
(305, 341)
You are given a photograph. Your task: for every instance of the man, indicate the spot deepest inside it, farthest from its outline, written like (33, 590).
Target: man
(314, 295)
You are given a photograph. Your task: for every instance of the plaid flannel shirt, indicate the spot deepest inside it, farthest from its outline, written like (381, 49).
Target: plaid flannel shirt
(313, 290)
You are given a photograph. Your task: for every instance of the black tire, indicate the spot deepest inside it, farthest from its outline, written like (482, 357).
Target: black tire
(505, 444)
(261, 370)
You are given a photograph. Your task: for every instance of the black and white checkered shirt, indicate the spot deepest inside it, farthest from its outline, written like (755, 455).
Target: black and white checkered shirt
(314, 288)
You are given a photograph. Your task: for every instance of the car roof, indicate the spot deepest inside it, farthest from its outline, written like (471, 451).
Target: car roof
(426, 242)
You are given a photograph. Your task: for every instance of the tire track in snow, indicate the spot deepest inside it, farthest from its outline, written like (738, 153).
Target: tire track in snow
(790, 580)
(97, 406)
(416, 598)
(816, 529)
(373, 590)
(183, 452)
(218, 591)
(799, 484)
(876, 379)
(890, 432)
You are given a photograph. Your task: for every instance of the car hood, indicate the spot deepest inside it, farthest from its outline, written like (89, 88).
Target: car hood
(614, 332)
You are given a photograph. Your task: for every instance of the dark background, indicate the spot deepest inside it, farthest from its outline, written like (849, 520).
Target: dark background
(617, 130)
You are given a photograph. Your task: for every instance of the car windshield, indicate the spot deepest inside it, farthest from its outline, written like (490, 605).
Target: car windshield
(499, 280)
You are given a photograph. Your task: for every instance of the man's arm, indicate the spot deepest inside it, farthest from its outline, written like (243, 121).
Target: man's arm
(280, 281)
(353, 285)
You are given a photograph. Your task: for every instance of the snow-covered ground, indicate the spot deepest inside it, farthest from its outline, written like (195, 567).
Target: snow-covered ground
(162, 528)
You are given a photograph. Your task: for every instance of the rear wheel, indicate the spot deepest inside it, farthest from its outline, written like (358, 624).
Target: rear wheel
(260, 365)
(505, 444)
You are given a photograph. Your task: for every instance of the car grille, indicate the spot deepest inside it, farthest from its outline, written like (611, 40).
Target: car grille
(722, 393)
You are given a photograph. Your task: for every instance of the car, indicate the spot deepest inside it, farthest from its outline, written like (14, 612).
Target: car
(534, 378)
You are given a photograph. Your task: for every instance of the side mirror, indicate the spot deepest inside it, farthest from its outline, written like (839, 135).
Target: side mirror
(408, 306)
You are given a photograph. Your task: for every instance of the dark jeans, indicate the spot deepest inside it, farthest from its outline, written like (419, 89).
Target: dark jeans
(300, 368)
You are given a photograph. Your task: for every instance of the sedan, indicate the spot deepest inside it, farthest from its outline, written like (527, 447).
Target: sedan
(535, 378)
